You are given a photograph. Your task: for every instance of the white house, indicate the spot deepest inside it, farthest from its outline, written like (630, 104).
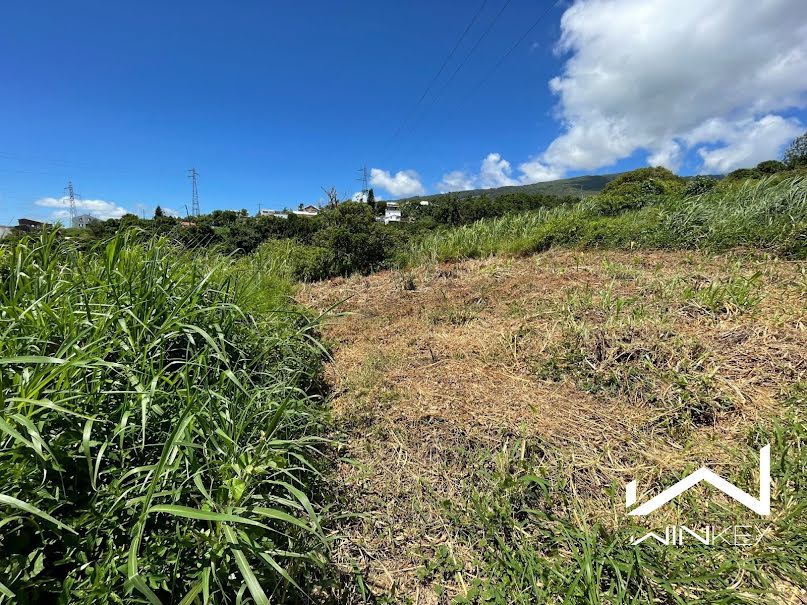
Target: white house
(275, 213)
(309, 210)
(392, 214)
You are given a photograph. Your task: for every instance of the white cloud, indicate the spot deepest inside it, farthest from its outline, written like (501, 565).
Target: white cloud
(535, 171)
(669, 76)
(169, 211)
(404, 183)
(100, 209)
(494, 171)
(456, 180)
(748, 142)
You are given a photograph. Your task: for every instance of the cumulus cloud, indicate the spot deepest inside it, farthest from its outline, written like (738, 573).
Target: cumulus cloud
(494, 171)
(535, 171)
(100, 209)
(456, 180)
(671, 76)
(745, 143)
(403, 183)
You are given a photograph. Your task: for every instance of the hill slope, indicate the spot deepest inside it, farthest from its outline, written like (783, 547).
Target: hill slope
(575, 186)
(578, 186)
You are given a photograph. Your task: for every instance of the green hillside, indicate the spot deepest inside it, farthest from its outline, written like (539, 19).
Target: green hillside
(578, 186)
(575, 186)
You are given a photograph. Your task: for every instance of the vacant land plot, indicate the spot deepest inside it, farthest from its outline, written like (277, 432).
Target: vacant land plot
(492, 412)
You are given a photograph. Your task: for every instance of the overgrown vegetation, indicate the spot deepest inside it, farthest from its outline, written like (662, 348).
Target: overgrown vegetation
(158, 435)
(770, 214)
(344, 238)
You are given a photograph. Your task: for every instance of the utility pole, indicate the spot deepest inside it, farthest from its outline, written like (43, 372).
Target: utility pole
(365, 187)
(71, 196)
(192, 174)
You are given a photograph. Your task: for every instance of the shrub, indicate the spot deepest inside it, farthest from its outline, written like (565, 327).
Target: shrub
(742, 174)
(700, 184)
(770, 167)
(639, 175)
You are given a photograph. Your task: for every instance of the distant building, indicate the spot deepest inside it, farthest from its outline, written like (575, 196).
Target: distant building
(82, 221)
(26, 225)
(275, 213)
(187, 224)
(5, 231)
(392, 213)
(307, 211)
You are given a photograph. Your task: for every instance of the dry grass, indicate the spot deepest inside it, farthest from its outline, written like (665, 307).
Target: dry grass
(594, 361)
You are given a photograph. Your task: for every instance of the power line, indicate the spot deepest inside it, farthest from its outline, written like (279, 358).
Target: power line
(192, 174)
(442, 67)
(503, 58)
(510, 51)
(467, 56)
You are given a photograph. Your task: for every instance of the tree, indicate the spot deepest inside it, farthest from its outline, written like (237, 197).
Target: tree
(371, 199)
(333, 197)
(771, 167)
(158, 212)
(742, 174)
(796, 154)
(657, 173)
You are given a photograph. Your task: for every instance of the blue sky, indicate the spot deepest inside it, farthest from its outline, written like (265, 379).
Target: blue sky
(271, 101)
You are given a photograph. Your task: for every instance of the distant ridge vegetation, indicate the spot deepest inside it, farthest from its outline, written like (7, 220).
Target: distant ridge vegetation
(577, 186)
(587, 185)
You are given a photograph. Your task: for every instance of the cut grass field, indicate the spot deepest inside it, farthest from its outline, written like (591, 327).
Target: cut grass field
(492, 412)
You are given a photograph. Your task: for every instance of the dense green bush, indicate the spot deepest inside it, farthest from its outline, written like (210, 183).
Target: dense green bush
(770, 167)
(636, 189)
(656, 174)
(452, 210)
(700, 184)
(743, 174)
(155, 434)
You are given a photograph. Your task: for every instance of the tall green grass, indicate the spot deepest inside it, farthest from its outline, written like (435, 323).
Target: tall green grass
(157, 422)
(770, 214)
